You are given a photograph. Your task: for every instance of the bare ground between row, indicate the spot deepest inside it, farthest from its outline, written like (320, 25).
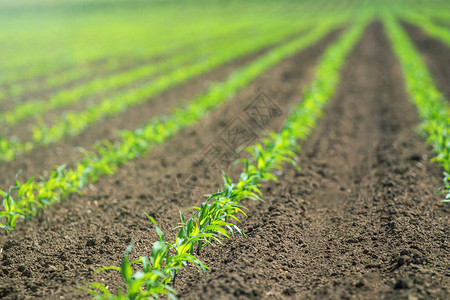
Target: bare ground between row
(96, 66)
(436, 55)
(24, 128)
(96, 72)
(57, 251)
(44, 158)
(362, 220)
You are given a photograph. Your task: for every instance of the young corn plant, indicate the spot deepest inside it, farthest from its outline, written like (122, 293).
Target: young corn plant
(270, 155)
(12, 212)
(209, 222)
(159, 270)
(431, 105)
(73, 123)
(19, 202)
(108, 157)
(152, 277)
(446, 189)
(213, 220)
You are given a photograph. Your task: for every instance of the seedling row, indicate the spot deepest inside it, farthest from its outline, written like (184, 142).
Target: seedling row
(218, 217)
(33, 195)
(211, 221)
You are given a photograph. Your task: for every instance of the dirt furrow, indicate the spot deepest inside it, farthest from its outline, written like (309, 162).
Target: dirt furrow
(42, 159)
(436, 55)
(50, 117)
(58, 250)
(360, 221)
(45, 92)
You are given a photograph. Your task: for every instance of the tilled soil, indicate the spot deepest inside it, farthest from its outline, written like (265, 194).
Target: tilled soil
(436, 55)
(360, 221)
(43, 158)
(50, 117)
(96, 70)
(58, 250)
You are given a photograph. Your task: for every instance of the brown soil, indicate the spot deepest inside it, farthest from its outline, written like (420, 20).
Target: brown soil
(23, 129)
(42, 158)
(58, 250)
(360, 221)
(96, 66)
(96, 70)
(436, 55)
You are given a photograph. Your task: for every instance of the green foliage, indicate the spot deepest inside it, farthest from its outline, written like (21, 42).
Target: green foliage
(178, 46)
(446, 189)
(108, 157)
(213, 220)
(433, 108)
(122, 79)
(425, 22)
(75, 122)
(107, 37)
(153, 276)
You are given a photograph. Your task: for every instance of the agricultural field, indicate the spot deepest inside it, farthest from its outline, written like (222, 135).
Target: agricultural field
(224, 149)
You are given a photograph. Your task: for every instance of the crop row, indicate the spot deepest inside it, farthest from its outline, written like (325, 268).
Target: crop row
(114, 64)
(214, 219)
(433, 30)
(65, 97)
(25, 199)
(59, 78)
(433, 108)
(55, 80)
(440, 13)
(75, 122)
(114, 42)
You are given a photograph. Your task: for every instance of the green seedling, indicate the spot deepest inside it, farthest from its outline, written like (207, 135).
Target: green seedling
(432, 107)
(108, 158)
(213, 220)
(73, 123)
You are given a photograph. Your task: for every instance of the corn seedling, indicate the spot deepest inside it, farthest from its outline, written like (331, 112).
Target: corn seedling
(74, 123)
(432, 107)
(102, 84)
(108, 157)
(211, 220)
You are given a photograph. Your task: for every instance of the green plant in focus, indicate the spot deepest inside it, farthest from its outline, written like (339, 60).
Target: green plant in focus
(215, 218)
(433, 108)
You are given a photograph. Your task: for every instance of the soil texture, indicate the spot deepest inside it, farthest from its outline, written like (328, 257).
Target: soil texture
(57, 251)
(360, 221)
